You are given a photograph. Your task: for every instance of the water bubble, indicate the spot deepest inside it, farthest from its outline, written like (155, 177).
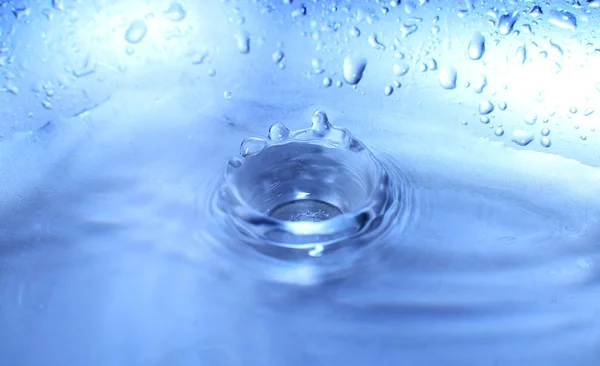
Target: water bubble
(353, 69)
(374, 42)
(484, 119)
(277, 56)
(573, 110)
(507, 22)
(175, 12)
(521, 137)
(502, 106)
(400, 70)
(252, 146)
(499, 131)
(521, 54)
(479, 83)
(388, 90)
(278, 132)
(327, 81)
(563, 19)
(243, 41)
(320, 123)
(536, 11)
(316, 251)
(545, 142)
(588, 111)
(531, 118)
(227, 94)
(354, 31)
(476, 46)
(448, 76)
(485, 107)
(136, 32)
(545, 131)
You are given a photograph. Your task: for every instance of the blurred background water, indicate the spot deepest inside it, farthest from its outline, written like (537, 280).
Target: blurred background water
(116, 120)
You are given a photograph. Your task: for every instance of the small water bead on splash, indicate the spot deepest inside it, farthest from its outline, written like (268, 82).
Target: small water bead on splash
(388, 90)
(545, 131)
(476, 47)
(252, 146)
(563, 19)
(353, 69)
(278, 132)
(175, 12)
(243, 41)
(485, 107)
(545, 142)
(448, 76)
(136, 32)
(320, 123)
(522, 137)
(507, 22)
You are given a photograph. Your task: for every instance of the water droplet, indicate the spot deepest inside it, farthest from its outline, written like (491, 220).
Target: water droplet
(464, 123)
(354, 31)
(485, 107)
(583, 137)
(316, 251)
(339, 83)
(252, 146)
(278, 132)
(499, 131)
(479, 83)
(432, 64)
(327, 81)
(563, 19)
(507, 22)
(129, 50)
(573, 110)
(476, 46)
(300, 12)
(11, 88)
(136, 31)
(353, 69)
(320, 123)
(423, 67)
(543, 54)
(400, 70)
(374, 42)
(545, 131)
(243, 41)
(484, 119)
(227, 94)
(448, 76)
(502, 106)
(545, 142)
(175, 12)
(317, 66)
(58, 5)
(536, 11)
(531, 119)
(588, 111)
(277, 56)
(212, 72)
(388, 90)
(46, 104)
(521, 54)
(408, 29)
(397, 84)
(522, 138)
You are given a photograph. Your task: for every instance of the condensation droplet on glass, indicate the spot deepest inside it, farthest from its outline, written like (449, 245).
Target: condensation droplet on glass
(58, 5)
(583, 137)
(499, 131)
(522, 137)
(175, 12)
(46, 104)
(408, 29)
(243, 41)
(484, 119)
(573, 110)
(588, 111)
(227, 94)
(423, 67)
(353, 69)
(388, 90)
(375, 43)
(485, 107)
(300, 12)
(432, 64)
(354, 31)
(476, 46)
(507, 22)
(136, 32)
(502, 106)
(212, 72)
(521, 54)
(479, 83)
(448, 76)
(320, 123)
(545, 131)
(278, 132)
(277, 56)
(536, 11)
(545, 142)
(400, 70)
(327, 81)
(531, 119)
(563, 19)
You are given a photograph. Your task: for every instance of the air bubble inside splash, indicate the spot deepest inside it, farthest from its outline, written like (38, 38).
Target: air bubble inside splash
(314, 193)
